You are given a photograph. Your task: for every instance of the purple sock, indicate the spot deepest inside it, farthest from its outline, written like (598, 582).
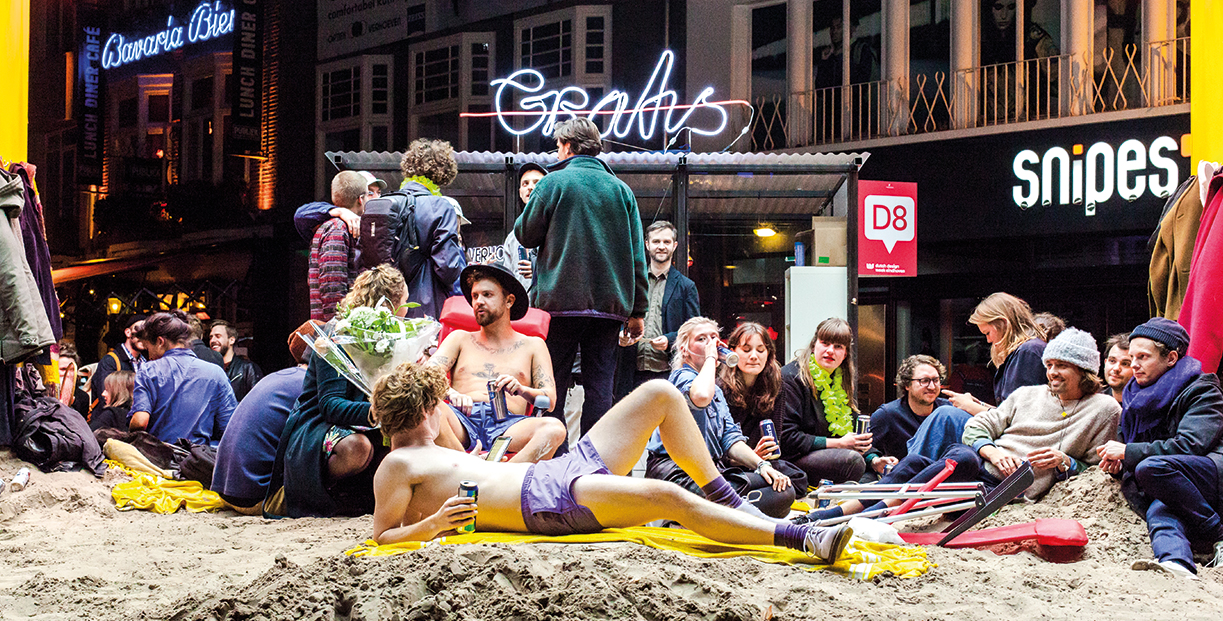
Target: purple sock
(789, 535)
(719, 491)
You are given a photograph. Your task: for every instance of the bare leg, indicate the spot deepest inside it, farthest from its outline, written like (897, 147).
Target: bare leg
(621, 502)
(446, 437)
(621, 435)
(350, 456)
(535, 438)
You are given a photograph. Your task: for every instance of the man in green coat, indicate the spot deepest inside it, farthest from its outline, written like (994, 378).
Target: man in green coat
(591, 264)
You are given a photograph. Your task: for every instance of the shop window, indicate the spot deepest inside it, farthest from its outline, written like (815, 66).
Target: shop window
(155, 145)
(345, 140)
(437, 74)
(930, 56)
(159, 108)
(341, 93)
(128, 112)
(379, 89)
(769, 84)
(1041, 27)
(594, 43)
(201, 93)
(379, 138)
(548, 48)
(479, 69)
(479, 131)
(440, 126)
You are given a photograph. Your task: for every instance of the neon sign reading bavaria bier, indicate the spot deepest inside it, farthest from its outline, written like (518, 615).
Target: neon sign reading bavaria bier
(572, 102)
(208, 21)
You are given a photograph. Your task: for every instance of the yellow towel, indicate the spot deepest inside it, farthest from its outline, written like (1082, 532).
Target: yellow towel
(132, 458)
(161, 495)
(862, 559)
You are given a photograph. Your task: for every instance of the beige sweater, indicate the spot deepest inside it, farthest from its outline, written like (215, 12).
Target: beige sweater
(1031, 418)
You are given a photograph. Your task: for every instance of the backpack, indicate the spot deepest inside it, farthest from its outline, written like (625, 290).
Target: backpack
(389, 234)
(53, 436)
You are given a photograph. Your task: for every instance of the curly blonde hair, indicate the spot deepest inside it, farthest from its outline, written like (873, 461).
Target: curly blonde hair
(402, 397)
(383, 281)
(432, 159)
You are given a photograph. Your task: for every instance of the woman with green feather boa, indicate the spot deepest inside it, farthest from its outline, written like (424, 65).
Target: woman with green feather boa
(818, 408)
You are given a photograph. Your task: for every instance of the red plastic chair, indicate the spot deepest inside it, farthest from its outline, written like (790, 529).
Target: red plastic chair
(457, 314)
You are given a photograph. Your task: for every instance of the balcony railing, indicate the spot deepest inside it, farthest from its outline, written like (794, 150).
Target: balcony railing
(1028, 90)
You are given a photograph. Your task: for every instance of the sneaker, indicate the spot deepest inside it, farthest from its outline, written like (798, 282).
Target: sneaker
(827, 543)
(1217, 561)
(1170, 568)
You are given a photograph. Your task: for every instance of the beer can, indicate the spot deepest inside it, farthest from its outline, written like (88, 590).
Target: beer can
(20, 480)
(522, 253)
(824, 502)
(863, 424)
(497, 399)
(800, 254)
(729, 358)
(767, 428)
(468, 489)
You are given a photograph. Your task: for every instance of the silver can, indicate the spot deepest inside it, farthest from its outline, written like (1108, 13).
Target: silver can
(497, 399)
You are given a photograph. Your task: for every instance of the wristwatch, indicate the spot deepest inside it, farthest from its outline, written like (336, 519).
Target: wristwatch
(760, 466)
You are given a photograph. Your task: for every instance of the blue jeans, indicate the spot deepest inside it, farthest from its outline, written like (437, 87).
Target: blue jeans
(941, 429)
(1186, 502)
(598, 340)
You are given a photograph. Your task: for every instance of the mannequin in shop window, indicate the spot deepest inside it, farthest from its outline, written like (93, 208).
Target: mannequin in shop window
(760, 481)
(819, 409)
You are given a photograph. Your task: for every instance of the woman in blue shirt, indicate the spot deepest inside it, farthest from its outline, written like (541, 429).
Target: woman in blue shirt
(694, 373)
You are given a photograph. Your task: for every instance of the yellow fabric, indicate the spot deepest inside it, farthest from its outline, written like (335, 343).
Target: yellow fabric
(862, 559)
(132, 459)
(161, 495)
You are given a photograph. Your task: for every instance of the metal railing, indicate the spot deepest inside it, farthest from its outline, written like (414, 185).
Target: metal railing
(1029, 90)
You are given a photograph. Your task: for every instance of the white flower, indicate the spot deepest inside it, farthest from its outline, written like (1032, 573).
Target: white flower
(382, 346)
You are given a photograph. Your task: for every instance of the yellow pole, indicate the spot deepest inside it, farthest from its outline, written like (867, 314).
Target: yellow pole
(1206, 80)
(15, 76)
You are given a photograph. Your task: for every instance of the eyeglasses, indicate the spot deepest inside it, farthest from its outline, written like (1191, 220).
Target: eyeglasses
(926, 382)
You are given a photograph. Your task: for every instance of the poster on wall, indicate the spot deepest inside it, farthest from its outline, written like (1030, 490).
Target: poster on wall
(347, 26)
(89, 94)
(887, 228)
(246, 92)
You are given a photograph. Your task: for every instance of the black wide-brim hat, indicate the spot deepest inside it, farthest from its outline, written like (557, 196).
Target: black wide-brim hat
(508, 282)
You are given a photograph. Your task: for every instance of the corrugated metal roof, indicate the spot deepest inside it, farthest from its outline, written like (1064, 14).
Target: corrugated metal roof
(727, 184)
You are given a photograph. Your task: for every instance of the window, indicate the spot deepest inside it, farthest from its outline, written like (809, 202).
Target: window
(159, 108)
(341, 93)
(380, 90)
(594, 43)
(479, 69)
(437, 74)
(201, 93)
(549, 48)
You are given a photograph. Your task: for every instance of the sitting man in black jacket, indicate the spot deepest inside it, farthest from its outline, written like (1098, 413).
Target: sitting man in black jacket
(1170, 452)
(126, 356)
(243, 374)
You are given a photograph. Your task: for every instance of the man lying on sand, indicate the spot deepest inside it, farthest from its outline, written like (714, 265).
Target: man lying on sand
(583, 491)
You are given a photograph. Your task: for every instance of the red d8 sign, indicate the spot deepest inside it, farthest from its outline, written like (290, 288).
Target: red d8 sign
(887, 228)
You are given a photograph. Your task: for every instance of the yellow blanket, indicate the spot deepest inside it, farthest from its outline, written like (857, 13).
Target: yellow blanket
(861, 559)
(161, 495)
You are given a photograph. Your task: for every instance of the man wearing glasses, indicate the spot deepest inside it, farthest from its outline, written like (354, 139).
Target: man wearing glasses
(919, 381)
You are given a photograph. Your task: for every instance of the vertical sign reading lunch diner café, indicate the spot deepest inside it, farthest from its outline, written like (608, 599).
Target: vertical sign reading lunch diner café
(89, 103)
(887, 230)
(246, 92)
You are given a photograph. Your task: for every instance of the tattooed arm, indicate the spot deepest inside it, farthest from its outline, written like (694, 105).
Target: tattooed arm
(541, 370)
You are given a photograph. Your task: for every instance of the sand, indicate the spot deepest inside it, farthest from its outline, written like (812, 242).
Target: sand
(68, 554)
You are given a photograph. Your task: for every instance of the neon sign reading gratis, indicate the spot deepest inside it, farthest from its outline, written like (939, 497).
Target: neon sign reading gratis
(208, 21)
(555, 105)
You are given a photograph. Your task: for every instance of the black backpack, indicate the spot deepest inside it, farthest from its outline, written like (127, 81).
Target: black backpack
(54, 437)
(389, 234)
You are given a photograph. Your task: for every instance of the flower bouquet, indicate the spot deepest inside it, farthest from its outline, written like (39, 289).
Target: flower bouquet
(367, 343)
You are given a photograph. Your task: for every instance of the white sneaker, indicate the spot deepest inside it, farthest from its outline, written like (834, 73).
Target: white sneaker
(1171, 568)
(827, 542)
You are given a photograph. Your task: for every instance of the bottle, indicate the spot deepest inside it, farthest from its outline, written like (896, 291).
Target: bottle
(20, 480)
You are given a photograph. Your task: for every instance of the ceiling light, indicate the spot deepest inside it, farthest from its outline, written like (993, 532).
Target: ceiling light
(765, 231)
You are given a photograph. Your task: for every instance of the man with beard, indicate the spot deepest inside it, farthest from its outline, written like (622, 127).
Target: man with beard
(243, 374)
(1118, 364)
(673, 300)
(128, 355)
(1056, 427)
(919, 381)
(518, 365)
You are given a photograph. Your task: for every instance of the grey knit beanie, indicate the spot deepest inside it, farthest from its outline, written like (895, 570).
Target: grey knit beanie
(1076, 347)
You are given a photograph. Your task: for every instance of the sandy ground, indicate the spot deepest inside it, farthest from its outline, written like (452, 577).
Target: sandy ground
(68, 554)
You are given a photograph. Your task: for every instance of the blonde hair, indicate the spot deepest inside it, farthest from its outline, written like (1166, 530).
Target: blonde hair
(347, 188)
(1012, 317)
(402, 397)
(372, 285)
(834, 331)
(119, 385)
(685, 334)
